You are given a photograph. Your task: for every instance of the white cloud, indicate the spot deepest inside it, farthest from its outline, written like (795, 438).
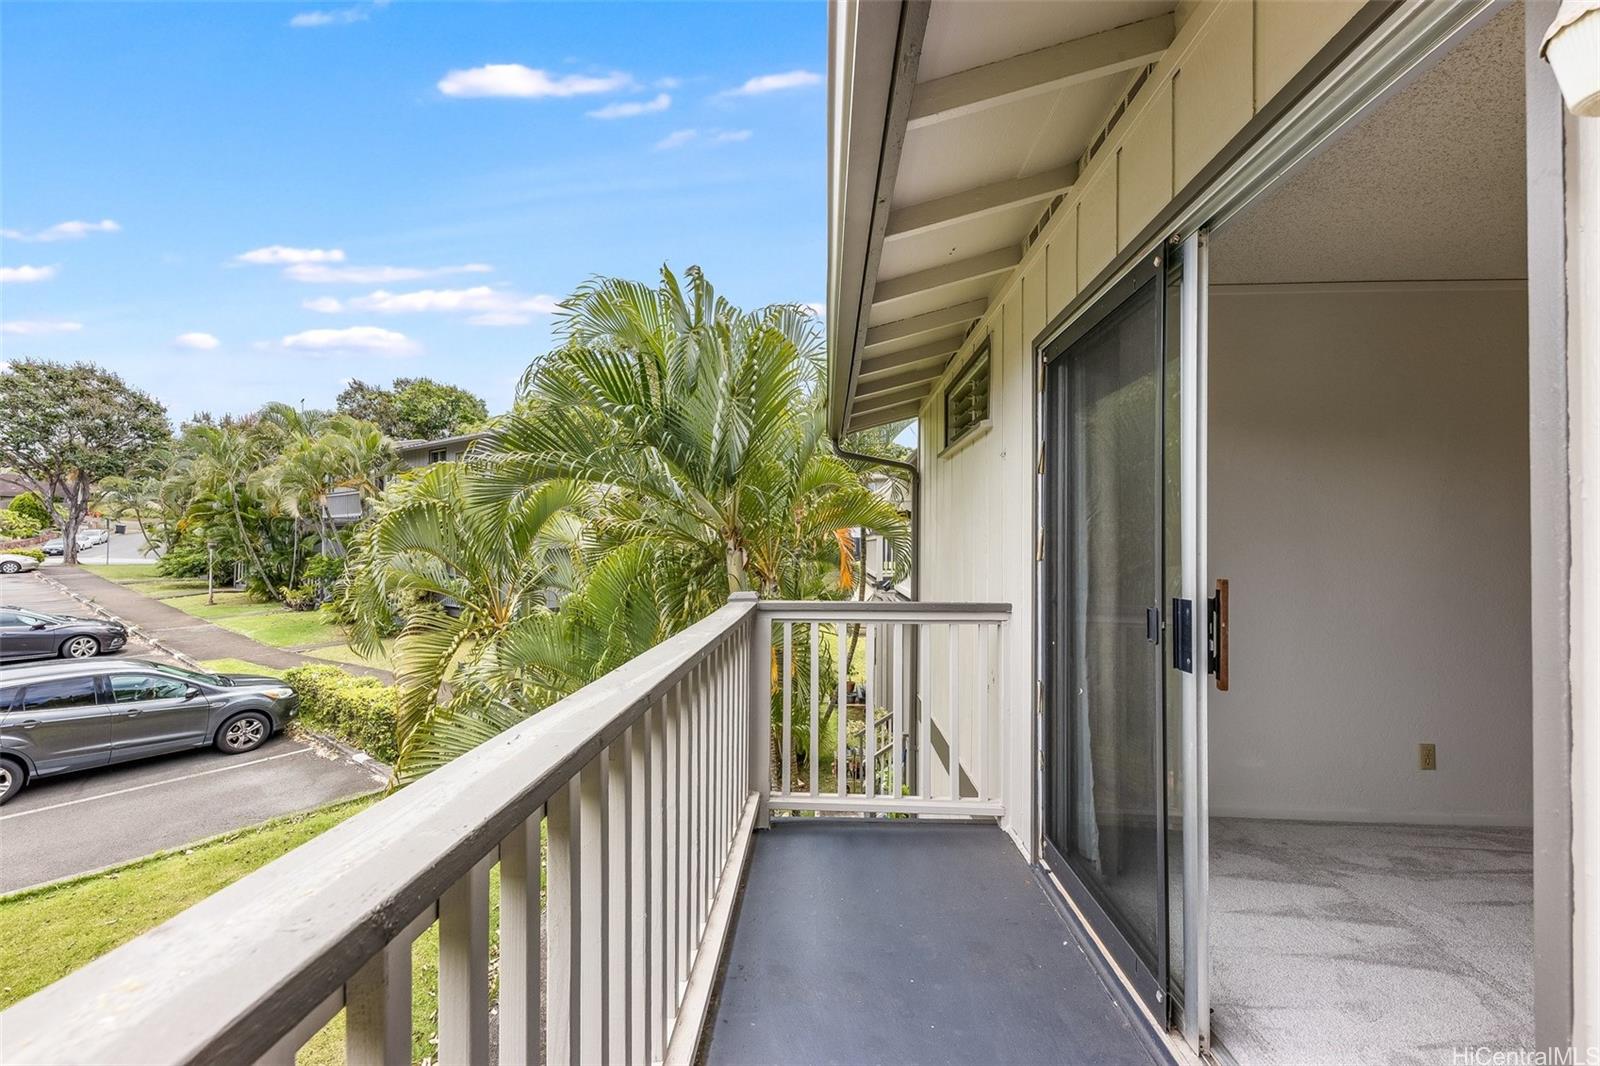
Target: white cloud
(274, 254)
(320, 274)
(818, 309)
(668, 83)
(771, 83)
(500, 318)
(22, 274)
(196, 342)
(326, 305)
(514, 79)
(676, 139)
(38, 328)
(64, 231)
(633, 108)
(679, 138)
(339, 16)
(488, 307)
(369, 339)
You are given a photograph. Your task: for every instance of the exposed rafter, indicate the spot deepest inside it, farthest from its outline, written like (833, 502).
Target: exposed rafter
(867, 417)
(931, 322)
(987, 265)
(1079, 60)
(984, 200)
(912, 381)
(934, 353)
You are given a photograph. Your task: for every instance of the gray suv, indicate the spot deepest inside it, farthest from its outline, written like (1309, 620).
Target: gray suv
(60, 717)
(28, 634)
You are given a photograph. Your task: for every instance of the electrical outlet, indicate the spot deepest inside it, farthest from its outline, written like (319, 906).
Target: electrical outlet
(1427, 757)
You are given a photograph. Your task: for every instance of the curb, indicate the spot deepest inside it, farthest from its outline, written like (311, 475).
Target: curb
(334, 746)
(139, 631)
(8, 897)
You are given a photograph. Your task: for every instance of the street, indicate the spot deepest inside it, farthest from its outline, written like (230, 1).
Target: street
(126, 547)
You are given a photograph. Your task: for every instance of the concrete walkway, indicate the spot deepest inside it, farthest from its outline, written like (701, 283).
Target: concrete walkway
(194, 637)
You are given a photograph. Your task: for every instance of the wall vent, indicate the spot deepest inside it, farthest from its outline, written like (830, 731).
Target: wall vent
(1099, 142)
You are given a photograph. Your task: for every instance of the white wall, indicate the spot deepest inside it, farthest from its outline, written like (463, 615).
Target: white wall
(1369, 506)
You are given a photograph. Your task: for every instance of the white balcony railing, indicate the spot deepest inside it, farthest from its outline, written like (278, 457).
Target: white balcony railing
(632, 802)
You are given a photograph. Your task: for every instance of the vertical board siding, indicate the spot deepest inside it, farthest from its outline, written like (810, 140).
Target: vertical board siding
(978, 537)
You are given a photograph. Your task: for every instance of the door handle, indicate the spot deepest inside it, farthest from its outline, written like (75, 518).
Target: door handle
(134, 714)
(30, 723)
(1217, 634)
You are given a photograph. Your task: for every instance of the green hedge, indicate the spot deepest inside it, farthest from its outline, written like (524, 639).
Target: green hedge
(32, 553)
(15, 524)
(358, 710)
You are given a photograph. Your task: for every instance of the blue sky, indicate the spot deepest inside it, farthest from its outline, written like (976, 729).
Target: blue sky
(229, 203)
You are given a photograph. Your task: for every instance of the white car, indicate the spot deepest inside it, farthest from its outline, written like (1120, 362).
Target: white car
(87, 538)
(16, 564)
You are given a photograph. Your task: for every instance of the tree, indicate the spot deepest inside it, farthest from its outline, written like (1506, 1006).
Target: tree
(414, 408)
(65, 427)
(692, 434)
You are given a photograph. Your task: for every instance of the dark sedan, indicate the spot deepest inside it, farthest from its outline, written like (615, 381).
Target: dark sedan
(26, 634)
(60, 717)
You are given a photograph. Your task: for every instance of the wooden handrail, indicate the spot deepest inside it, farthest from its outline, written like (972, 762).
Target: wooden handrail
(228, 978)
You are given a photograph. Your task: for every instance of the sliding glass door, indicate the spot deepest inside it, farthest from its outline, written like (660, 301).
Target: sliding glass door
(1108, 596)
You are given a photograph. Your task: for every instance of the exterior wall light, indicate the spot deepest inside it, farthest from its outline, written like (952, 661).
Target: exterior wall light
(1572, 48)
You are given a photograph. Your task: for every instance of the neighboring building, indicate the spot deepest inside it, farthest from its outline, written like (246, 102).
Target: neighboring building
(1281, 302)
(415, 453)
(12, 486)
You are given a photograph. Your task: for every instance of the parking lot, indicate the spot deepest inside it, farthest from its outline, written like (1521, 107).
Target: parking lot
(80, 822)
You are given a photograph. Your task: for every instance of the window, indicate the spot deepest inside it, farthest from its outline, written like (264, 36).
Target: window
(136, 688)
(966, 401)
(8, 696)
(58, 694)
(437, 455)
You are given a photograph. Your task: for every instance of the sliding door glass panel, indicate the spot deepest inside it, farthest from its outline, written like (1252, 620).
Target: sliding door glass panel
(1107, 801)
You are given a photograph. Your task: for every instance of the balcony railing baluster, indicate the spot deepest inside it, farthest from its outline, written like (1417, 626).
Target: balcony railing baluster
(646, 787)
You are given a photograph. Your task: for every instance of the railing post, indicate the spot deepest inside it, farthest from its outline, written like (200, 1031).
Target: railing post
(759, 708)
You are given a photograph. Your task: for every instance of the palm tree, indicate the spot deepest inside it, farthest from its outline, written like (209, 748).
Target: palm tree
(456, 582)
(701, 428)
(688, 437)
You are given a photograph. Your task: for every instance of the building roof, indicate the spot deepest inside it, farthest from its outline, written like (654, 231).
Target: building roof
(441, 442)
(954, 128)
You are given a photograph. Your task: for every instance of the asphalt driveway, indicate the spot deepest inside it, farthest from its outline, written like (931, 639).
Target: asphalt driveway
(61, 826)
(75, 823)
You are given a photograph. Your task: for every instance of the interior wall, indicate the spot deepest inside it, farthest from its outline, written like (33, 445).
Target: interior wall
(1369, 506)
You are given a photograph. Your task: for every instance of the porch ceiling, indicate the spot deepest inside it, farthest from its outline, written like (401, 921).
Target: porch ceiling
(952, 127)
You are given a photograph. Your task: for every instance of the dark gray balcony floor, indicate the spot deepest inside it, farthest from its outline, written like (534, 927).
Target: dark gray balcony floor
(907, 942)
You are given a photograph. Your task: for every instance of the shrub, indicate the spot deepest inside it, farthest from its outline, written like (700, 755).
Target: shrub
(359, 710)
(325, 568)
(32, 506)
(32, 553)
(187, 558)
(303, 598)
(16, 525)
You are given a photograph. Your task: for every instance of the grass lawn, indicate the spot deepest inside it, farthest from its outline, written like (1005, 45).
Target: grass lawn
(49, 932)
(266, 622)
(121, 571)
(53, 931)
(343, 653)
(285, 629)
(228, 605)
(239, 666)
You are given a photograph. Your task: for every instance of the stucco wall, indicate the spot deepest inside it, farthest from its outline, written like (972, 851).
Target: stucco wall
(1369, 506)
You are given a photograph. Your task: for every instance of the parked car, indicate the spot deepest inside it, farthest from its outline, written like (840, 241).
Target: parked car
(87, 538)
(12, 563)
(28, 634)
(56, 718)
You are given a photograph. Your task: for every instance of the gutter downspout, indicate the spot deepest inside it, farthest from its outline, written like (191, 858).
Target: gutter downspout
(913, 668)
(915, 477)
